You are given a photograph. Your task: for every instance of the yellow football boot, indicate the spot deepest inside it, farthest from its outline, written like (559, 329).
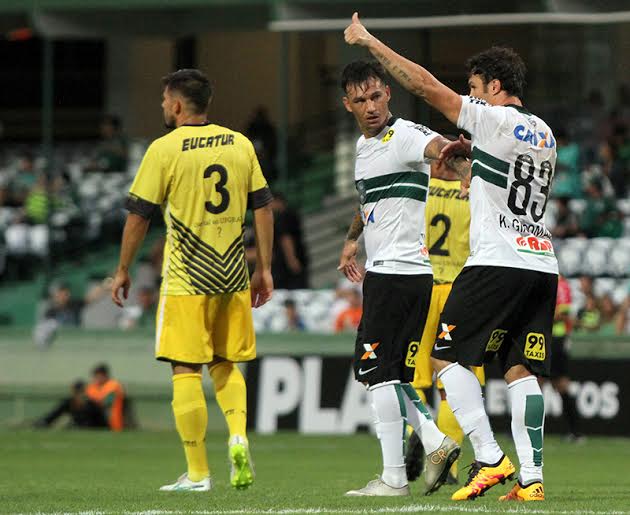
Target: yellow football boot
(483, 476)
(533, 492)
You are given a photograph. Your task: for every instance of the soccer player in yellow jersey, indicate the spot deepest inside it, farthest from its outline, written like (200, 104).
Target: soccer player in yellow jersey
(447, 218)
(203, 177)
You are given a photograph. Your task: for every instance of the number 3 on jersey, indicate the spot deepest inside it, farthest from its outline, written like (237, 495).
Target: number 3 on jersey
(219, 187)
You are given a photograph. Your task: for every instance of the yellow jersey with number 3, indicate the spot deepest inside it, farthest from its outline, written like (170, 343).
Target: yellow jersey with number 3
(448, 224)
(202, 177)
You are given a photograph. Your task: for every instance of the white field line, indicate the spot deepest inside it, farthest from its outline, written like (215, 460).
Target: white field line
(413, 508)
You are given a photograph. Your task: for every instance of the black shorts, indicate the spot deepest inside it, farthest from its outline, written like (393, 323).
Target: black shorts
(559, 357)
(395, 309)
(499, 311)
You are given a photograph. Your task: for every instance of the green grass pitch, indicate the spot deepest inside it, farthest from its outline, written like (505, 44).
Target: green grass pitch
(103, 473)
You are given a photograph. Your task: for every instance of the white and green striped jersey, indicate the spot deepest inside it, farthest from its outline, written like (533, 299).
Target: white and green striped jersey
(392, 178)
(513, 161)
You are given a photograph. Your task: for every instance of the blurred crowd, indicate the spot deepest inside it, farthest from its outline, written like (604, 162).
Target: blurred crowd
(61, 206)
(76, 204)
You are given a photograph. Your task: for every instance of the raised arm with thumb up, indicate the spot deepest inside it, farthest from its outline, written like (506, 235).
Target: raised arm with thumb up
(356, 34)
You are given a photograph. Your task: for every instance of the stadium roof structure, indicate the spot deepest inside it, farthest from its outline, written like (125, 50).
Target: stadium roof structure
(103, 18)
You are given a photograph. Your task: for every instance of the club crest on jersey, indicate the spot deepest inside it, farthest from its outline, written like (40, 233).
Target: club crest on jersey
(533, 245)
(537, 139)
(388, 136)
(446, 332)
(369, 350)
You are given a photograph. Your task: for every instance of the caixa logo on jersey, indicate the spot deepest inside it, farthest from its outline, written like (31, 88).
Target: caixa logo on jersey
(537, 139)
(533, 245)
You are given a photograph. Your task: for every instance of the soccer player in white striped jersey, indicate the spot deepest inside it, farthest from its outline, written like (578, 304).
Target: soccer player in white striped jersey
(392, 179)
(502, 303)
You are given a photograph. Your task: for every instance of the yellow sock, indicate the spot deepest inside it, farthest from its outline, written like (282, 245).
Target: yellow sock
(422, 395)
(191, 420)
(231, 394)
(447, 423)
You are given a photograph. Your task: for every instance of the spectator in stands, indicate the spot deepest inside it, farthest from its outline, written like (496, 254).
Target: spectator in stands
(84, 413)
(109, 394)
(567, 181)
(349, 318)
(601, 217)
(621, 322)
(66, 310)
(566, 224)
(608, 312)
(262, 134)
(290, 262)
(341, 302)
(591, 123)
(63, 308)
(612, 166)
(23, 181)
(29, 234)
(111, 154)
(586, 285)
(294, 321)
(589, 318)
(142, 313)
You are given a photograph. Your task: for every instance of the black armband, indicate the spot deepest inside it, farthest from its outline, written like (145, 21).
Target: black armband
(139, 206)
(259, 198)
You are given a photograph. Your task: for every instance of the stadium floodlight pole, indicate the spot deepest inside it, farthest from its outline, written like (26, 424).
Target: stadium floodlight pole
(47, 143)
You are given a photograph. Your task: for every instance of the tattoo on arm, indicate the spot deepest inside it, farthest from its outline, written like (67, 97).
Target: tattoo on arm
(393, 68)
(356, 228)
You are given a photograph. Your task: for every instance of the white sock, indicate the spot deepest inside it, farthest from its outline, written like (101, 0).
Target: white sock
(463, 393)
(420, 419)
(528, 421)
(390, 427)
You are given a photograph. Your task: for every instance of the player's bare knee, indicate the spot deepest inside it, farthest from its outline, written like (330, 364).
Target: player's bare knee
(217, 360)
(515, 373)
(185, 368)
(439, 364)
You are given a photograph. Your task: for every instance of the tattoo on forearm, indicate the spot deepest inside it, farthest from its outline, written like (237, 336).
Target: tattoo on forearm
(394, 69)
(356, 228)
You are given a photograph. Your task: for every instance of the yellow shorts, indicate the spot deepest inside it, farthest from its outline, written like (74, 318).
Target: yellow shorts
(423, 377)
(198, 328)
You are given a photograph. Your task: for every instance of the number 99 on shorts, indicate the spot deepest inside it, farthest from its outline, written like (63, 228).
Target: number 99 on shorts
(535, 346)
(412, 352)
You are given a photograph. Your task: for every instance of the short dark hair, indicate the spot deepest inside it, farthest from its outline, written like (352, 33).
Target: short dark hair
(102, 368)
(358, 72)
(193, 85)
(503, 64)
